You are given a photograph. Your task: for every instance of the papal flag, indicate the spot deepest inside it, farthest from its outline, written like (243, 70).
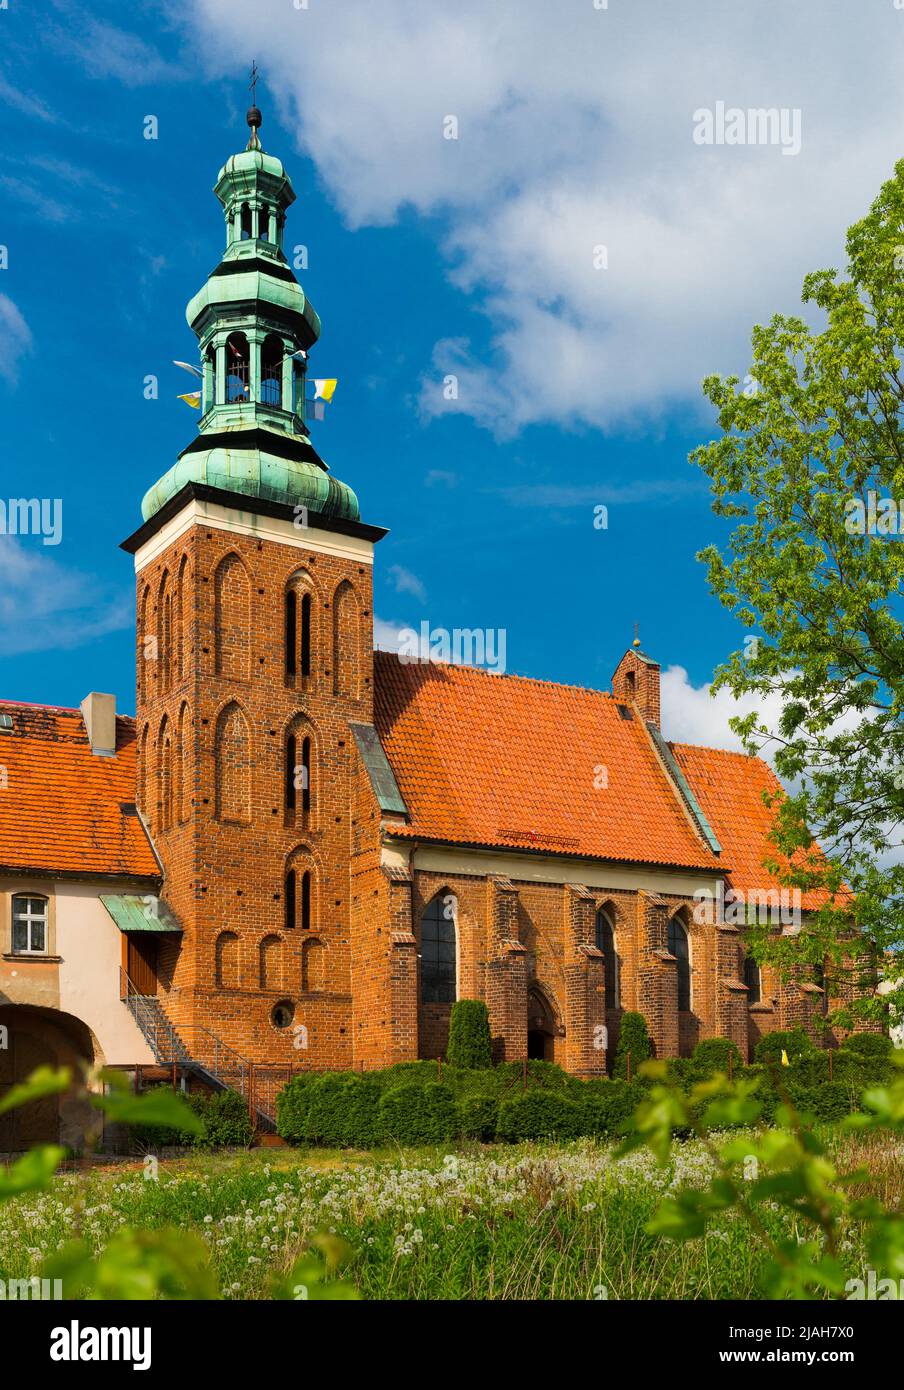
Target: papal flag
(324, 387)
(785, 1062)
(192, 398)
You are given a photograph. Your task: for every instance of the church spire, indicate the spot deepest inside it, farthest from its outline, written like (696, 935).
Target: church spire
(255, 327)
(254, 117)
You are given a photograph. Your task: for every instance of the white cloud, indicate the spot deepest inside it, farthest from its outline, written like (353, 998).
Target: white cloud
(46, 607)
(387, 635)
(407, 583)
(575, 131)
(15, 340)
(692, 714)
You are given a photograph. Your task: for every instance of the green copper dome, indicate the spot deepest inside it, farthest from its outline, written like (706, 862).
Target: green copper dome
(255, 327)
(255, 472)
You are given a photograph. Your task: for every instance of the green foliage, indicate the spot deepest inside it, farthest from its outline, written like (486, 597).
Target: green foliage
(793, 1041)
(165, 1263)
(808, 465)
(469, 1035)
(786, 1168)
(412, 1114)
(313, 1275)
(539, 1115)
(343, 1111)
(193, 1119)
(633, 1037)
(712, 1054)
(292, 1107)
(874, 1047)
(477, 1117)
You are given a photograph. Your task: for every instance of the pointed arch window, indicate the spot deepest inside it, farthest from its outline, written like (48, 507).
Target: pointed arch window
(438, 951)
(306, 635)
(306, 900)
(605, 942)
(291, 632)
(679, 948)
(752, 980)
(289, 897)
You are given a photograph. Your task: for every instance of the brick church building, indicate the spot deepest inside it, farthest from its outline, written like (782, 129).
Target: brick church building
(302, 851)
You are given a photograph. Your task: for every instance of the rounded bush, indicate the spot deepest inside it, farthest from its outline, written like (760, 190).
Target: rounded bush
(633, 1037)
(227, 1123)
(343, 1111)
(478, 1117)
(870, 1046)
(413, 1114)
(711, 1055)
(539, 1114)
(794, 1041)
(469, 1035)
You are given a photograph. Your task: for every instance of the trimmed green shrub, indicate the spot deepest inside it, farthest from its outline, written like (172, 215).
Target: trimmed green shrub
(469, 1035)
(794, 1041)
(224, 1115)
(633, 1037)
(413, 1114)
(680, 1072)
(606, 1105)
(227, 1123)
(711, 1055)
(292, 1108)
(872, 1047)
(343, 1111)
(548, 1075)
(539, 1114)
(831, 1101)
(478, 1117)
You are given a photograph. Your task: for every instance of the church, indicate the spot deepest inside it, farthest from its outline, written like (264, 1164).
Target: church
(301, 852)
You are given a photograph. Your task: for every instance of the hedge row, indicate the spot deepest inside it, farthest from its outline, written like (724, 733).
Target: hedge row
(414, 1103)
(224, 1115)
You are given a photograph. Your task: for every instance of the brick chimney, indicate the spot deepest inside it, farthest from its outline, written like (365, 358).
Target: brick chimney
(99, 714)
(636, 684)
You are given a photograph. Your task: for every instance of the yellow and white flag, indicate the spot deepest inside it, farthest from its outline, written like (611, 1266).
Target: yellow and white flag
(324, 387)
(192, 398)
(785, 1062)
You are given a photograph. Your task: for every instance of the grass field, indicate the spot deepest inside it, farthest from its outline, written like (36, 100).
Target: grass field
(532, 1221)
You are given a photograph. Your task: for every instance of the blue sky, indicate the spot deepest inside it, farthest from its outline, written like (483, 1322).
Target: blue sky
(578, 386)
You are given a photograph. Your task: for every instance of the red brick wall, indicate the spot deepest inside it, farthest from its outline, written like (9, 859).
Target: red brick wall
(213, 607)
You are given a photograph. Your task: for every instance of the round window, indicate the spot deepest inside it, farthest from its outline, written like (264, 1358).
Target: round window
(281, 1014)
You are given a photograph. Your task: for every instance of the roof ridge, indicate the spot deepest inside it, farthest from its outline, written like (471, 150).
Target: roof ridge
(726, 752)
(496, 675)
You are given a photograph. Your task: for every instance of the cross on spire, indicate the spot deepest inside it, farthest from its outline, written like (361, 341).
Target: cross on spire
(637, 634)
(252, 85)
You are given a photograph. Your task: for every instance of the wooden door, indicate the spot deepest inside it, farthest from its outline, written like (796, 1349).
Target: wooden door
(142, 966)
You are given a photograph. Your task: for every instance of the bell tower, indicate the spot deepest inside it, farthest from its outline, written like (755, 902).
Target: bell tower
(254, 652)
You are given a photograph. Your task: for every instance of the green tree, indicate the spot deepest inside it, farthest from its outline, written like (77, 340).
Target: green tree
(810, 467)
(470, 1044)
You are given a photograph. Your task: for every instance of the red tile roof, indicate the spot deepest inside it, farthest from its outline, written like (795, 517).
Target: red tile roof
(61, 805)
(510, 762)
(730, 787)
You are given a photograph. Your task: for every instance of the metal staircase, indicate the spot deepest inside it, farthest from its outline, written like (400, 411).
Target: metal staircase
(196, 1051)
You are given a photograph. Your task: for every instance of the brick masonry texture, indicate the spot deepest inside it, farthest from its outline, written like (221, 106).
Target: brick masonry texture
(340, 948)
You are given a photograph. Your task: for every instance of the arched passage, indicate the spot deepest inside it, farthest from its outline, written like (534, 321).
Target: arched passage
(542, 1025)
(34, 1037)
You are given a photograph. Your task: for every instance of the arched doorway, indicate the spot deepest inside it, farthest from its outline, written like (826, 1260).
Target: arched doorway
(541, 1026)
(30, 1038)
